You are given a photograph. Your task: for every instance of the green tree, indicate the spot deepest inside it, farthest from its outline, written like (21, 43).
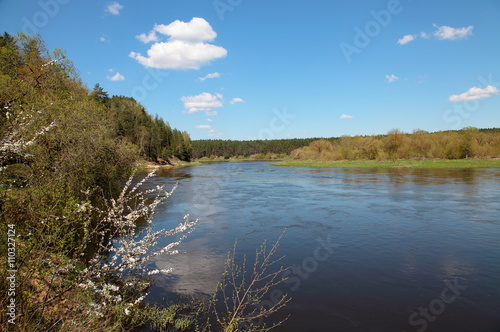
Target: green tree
(394, 143)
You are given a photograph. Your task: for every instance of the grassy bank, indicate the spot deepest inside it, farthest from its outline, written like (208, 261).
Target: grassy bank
(413, 163)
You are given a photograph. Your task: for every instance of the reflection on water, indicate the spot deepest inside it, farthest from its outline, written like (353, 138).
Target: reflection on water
(400, 233)
(195, 273)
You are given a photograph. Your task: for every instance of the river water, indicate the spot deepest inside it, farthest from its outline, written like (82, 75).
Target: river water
(368, 249)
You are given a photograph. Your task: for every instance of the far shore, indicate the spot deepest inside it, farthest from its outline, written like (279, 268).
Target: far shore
(150, 164)
(401, 163)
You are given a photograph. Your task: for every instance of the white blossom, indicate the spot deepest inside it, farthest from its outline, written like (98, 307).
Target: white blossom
(129, 249)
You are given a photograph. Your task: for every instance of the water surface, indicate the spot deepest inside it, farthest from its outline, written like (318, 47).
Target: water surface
(370, 249)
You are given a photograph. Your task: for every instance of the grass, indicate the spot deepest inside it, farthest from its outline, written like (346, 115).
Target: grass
(408, 163)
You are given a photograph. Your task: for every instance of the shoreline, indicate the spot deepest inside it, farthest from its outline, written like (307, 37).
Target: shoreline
(401, 163)
(150, 165)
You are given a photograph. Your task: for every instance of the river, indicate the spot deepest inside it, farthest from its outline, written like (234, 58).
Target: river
(368, 249)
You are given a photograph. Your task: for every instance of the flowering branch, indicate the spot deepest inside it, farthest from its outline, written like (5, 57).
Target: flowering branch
(124, 249)
(13, 144)
(243, 294)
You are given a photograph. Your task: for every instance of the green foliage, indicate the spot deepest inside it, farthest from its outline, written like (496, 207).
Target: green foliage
(229, 148)
(154, 137)
(466, 143)
(64, 148)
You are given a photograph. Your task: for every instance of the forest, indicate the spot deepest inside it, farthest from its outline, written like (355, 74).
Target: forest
(90, 132)
(66, 152)
(454, 144)
(231, 148)
(461, 144)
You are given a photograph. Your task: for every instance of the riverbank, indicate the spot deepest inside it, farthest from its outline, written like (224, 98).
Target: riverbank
(150, 165)
(401, 163)
(195, 162)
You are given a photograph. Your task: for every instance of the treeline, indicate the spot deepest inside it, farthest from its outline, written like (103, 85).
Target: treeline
(228, 148)
(154, 137)
(93, 138)
(466, 143)
(65, 151)
(453, 144)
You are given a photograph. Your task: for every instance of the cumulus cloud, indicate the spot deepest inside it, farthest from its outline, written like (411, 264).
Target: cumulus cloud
(214, 133)
(406, 39)
(210, 130)
(209, 120)
(391, 78)
(197, 30)
(187, 46)
(151, 37)
(103, 39)
(203, 127)
(114, 8)
(345, 116)
(424, 35)
(116, 77)
(442, 33)
(211, 75)
(236, 100)
(475, 93)
(445, 32)
(204, 102)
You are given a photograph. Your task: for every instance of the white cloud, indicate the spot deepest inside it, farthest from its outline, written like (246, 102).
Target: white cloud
(445, 32)
(406, 39)
(103, 39)
(214, 133)
(151, 37)
(211, 75)
(211, 131)
(186, 48)
(209, 120)
(345, 116)
(391, 78)
(442, 32)
(202, 103)
(197, 30)
(236, 100)
(203, 127)
(114, 8)
(424, 35)
(179, 55)
(116, 77)
(475, 93)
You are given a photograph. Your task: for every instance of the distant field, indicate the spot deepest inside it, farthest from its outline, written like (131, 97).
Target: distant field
(415, 163)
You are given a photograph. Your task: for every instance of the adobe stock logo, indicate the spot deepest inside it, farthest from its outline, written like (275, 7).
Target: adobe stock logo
(436, 307)
(49, 10)
(277, 124)
(223, 6)
(372, 29)
(294, 276)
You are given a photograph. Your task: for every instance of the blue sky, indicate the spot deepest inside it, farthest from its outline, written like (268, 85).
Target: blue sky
(241, 69)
